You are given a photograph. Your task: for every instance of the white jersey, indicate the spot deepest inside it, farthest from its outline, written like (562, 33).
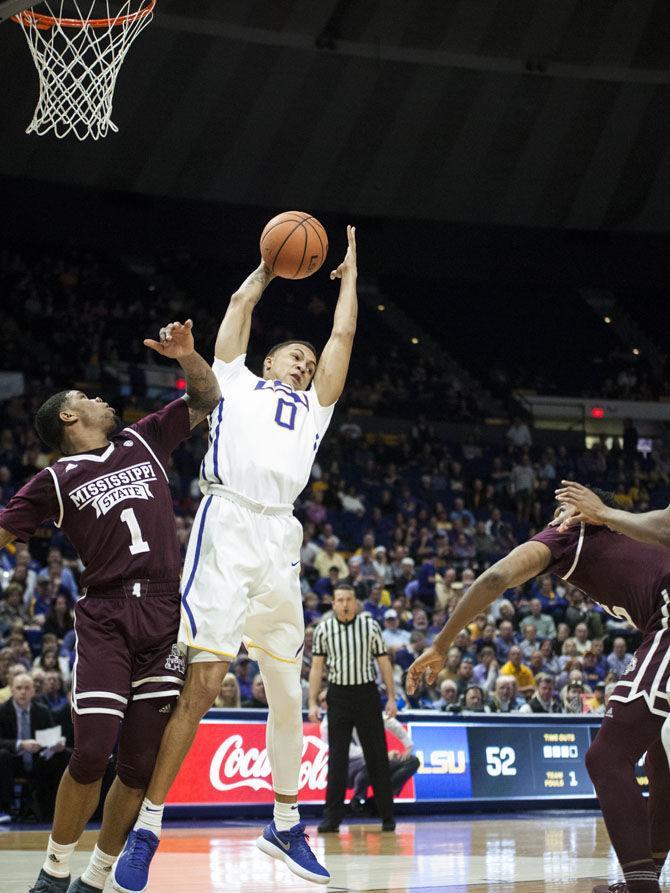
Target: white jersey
(263, 436)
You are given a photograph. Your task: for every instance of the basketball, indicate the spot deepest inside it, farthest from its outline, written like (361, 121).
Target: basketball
(294, 245)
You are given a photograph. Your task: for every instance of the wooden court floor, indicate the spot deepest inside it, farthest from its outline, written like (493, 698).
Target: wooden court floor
(537, 853)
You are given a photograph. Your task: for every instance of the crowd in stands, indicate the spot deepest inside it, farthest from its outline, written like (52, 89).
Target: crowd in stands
(410, 524)
(409, 520)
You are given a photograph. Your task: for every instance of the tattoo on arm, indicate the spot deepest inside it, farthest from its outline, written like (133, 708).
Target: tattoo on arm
(202, 388)
(260, 277)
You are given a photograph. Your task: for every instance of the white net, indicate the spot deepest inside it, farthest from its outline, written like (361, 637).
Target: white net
(78, 52)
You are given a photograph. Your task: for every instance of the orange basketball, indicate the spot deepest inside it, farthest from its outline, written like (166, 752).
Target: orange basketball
(294, 244)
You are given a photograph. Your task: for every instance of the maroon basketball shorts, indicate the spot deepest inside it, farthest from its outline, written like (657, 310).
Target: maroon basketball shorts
(126, 647)
(648, 674)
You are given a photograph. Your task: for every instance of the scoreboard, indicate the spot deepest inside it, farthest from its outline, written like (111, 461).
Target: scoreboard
(528, 760)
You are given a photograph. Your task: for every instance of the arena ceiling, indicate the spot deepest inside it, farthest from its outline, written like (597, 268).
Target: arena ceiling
(543, 113)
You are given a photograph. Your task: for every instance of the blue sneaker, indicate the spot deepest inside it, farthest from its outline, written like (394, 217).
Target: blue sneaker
(130, 872)
(292, 848)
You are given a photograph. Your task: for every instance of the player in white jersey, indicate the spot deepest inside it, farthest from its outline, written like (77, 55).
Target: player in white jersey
(241, 575)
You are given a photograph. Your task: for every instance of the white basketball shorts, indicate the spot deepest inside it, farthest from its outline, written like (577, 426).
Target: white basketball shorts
(241, 581)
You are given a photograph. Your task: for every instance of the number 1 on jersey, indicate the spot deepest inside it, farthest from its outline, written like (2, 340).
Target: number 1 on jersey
(137, 545)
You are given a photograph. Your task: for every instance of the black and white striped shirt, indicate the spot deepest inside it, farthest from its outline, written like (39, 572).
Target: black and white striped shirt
(349, 648)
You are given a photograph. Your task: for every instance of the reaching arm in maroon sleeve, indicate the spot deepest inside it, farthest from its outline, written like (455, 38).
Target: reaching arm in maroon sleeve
(202, 388)
(35, 502)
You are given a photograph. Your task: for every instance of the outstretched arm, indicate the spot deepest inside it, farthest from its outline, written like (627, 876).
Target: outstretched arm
(334, 362)
(647, 527)
(521, 565)
(235, 327)
(202, 388)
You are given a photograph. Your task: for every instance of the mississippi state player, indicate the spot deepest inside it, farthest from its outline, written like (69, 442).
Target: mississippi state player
(109, 494)
(630, 580)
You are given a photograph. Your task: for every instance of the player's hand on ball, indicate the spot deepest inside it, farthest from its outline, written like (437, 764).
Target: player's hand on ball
(348, 265)
(429, 665)
(176, 340)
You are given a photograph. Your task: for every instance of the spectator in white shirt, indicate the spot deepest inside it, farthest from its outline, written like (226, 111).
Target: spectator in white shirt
(448, 695)
(393, 636)
(530, 641)
(619, 659)
(328, 557)
(544, 623)
(518, 434)
(381, 565)
(582, 640)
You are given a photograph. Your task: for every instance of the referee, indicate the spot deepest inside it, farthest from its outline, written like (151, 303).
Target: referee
(347, 642)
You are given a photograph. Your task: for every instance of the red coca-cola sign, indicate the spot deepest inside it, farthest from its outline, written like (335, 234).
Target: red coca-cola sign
(228, 763)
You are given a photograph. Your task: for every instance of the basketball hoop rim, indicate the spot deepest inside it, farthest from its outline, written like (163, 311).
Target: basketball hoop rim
(29, 18)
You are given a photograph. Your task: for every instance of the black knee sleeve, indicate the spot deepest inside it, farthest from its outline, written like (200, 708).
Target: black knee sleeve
(95, 737)
(140, 741)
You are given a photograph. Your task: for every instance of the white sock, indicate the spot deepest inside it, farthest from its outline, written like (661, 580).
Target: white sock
(98, 869)
(57, 862)
(150, 817)
(286, 815)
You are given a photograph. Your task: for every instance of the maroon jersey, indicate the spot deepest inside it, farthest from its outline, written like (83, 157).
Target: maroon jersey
(114, 503)
(630, 580)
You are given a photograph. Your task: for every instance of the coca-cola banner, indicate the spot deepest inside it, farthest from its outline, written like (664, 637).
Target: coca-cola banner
(228, 763)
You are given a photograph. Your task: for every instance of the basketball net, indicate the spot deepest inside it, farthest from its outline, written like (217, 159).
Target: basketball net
(78, 58)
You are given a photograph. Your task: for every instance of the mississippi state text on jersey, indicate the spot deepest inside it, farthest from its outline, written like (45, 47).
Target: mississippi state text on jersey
(114, 503)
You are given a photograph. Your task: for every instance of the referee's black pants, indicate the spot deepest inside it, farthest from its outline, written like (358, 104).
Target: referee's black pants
(356, 707)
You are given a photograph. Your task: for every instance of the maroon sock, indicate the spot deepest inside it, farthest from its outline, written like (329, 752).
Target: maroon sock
(641, 877)
(611, 763)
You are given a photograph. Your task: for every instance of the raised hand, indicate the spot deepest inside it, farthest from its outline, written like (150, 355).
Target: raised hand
(176, 340)
(588, 507)
(348, 265)
(429, 664)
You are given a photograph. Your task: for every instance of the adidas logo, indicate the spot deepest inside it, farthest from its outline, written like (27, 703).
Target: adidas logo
(166, 708)
(128, 443)
(53, 858)
(608, 712)
(70, 466)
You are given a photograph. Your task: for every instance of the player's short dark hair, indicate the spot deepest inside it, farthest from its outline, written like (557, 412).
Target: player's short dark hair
(273, 350)
(48, 423)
